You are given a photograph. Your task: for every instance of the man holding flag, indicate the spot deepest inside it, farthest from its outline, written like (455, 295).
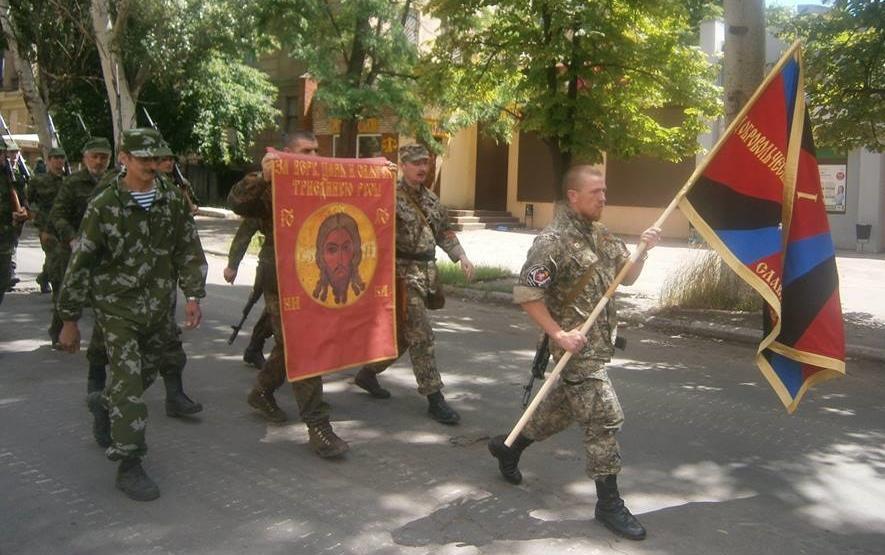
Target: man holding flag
(568, 268)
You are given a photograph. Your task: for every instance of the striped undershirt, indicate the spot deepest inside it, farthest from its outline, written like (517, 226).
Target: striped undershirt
(146, 199)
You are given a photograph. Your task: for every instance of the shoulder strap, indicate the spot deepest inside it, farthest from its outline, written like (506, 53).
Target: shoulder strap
(578, 287)
(421, 213)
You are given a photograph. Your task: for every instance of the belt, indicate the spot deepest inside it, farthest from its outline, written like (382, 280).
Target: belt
(421, 256)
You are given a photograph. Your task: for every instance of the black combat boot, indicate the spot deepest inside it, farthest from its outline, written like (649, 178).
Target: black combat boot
(508, 457)
(96, 378)
(368, 380)
(134, 482)
(324, 441)
(177, 403)
(611, 511)
(264, 402)
(101, 423)
(440, 410)
(253, 356)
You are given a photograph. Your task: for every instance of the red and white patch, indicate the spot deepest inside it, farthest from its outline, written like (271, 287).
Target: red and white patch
(539, 276)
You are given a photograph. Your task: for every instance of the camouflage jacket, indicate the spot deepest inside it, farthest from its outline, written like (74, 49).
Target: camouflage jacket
(42, 191)
(556, 262)
(240, 243)
(417, 239)
(130, 259)
(70, 204)
(252, 197)
(6, 227)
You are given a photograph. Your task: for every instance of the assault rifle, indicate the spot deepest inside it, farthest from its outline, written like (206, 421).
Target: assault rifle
(177, 176)
(54, 132)
(256, 293)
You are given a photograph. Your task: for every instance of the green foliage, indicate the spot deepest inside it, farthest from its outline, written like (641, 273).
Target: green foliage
(359, 53)
(451, 274)
(587, 76)
(706, 282)
(845, 70)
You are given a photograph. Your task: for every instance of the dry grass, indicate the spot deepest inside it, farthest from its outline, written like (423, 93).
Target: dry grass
(707, 282)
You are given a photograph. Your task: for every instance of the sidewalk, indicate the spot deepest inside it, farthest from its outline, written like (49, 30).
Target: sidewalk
(861, 280)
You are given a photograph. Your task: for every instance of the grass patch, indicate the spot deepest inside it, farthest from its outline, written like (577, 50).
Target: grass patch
(451, 274)
(706, 282)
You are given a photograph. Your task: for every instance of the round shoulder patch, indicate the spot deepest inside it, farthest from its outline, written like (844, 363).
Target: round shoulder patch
(538, 276)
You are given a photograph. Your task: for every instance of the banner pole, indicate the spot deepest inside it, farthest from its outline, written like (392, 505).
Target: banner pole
(640, 248)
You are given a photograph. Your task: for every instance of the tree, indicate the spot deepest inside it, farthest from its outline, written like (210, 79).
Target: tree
(744, 55)
(587, 76)
(361, 55)
(844, 57)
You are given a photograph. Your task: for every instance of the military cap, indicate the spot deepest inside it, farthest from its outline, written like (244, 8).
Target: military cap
(164, 151)
(97, 144)
(57, 152)
(142, 142)
(413, 153)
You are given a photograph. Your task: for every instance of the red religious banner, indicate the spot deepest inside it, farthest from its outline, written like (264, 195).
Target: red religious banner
(334, 237)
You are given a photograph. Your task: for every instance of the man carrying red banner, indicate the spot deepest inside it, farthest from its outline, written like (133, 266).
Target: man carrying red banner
(252, 197)
(421, 225)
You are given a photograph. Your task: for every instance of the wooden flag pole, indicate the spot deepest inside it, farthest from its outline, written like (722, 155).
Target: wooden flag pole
(640, 248)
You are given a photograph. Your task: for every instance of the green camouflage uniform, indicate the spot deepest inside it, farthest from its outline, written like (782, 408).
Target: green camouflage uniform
(252, 198)
(42, 191)
(7, 233)
(263, 329)
(127, 263)
(558, 259)
(416, 269)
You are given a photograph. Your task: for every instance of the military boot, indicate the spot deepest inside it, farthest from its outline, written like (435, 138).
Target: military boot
(325, 442)
(96, 378)
(134, 482)
(101, 423)
(264, 402)
(177, 403)
(43, 282)
(440, 410)
(253, 356)
(508, 457)
(611, 511)
(368, 380)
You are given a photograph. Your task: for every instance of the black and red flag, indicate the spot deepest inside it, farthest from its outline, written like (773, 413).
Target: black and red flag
(758, 203)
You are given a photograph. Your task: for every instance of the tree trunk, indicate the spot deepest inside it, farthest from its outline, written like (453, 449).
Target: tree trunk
(28, 85)
(347, 139)
(744, 52)
(122, 98)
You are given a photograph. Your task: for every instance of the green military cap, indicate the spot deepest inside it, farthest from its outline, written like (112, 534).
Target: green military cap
(142, 142)
(57, 152)
(413, 153)
(164, 151)
(97, 144)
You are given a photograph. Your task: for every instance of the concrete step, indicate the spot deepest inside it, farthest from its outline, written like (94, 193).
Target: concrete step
(478, 213)
(468, 227)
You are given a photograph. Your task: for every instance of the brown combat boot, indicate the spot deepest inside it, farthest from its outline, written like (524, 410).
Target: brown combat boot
(325, 441)
(264, 402)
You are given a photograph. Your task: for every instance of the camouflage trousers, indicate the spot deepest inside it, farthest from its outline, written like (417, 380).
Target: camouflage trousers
(309, 392)
(49, 244)
(262, 331)
(593, 404)
(5, 262)
(136, 353)
(416, 336)
(174, 359)
(60, 258)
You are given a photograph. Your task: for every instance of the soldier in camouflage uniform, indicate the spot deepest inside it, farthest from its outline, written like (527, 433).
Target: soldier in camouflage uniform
(166, 167)
(21, 189)
(254, 353)
(569, 267)
(421, 225)
(42, 191)
(252, 198)
(8, 219)
(137, 240)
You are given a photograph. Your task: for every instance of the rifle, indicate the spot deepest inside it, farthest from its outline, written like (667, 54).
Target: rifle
(54, 132)
(539, 366)
(83, 125)
(177, 176)
(256, 293)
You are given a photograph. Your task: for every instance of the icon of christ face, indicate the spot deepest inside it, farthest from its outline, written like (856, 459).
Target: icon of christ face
(338, 256)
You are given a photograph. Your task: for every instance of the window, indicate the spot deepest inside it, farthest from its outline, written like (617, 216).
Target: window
(290, 114)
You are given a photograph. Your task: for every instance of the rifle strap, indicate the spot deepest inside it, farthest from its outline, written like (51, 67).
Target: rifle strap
(408, 194)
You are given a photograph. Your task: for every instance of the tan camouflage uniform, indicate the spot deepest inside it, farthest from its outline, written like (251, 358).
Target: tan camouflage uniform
(252, 198)
(560, 256)
(416, 268)
(128, 261)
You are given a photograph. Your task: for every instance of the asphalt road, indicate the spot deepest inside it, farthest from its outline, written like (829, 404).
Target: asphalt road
(713, 464)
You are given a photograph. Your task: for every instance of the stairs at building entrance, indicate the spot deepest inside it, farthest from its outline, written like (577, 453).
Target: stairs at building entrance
(464, 220)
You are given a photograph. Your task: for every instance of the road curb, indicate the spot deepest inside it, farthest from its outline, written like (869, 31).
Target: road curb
(221, 213)
(693, 327)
